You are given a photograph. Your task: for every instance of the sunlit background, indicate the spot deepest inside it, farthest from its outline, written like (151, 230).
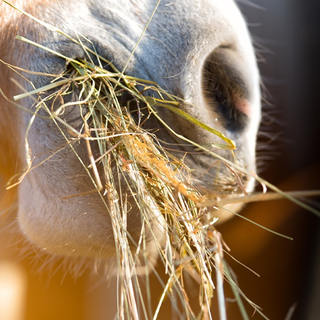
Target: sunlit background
(287, 36)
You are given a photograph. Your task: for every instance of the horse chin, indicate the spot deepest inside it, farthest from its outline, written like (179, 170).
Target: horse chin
(81, 226)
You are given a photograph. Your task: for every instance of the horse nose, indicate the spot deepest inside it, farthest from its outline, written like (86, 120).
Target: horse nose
(226, 88)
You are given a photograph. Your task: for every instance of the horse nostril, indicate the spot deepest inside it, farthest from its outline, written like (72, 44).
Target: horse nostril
(225, 88)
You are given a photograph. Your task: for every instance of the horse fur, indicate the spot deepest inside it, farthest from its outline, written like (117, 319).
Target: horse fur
(180, 40)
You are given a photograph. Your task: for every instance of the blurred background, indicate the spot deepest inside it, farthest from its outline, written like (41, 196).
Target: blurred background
(287, 38)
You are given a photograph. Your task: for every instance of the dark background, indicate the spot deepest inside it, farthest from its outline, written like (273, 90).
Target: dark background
(287, 38)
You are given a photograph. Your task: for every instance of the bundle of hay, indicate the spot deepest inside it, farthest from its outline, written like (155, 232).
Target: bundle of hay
(160, 184)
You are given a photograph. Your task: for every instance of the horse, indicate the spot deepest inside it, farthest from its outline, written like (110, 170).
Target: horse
(200, 52)
(209, 63)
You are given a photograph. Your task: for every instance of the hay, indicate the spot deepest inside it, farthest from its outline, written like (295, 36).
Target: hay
(160, 183)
